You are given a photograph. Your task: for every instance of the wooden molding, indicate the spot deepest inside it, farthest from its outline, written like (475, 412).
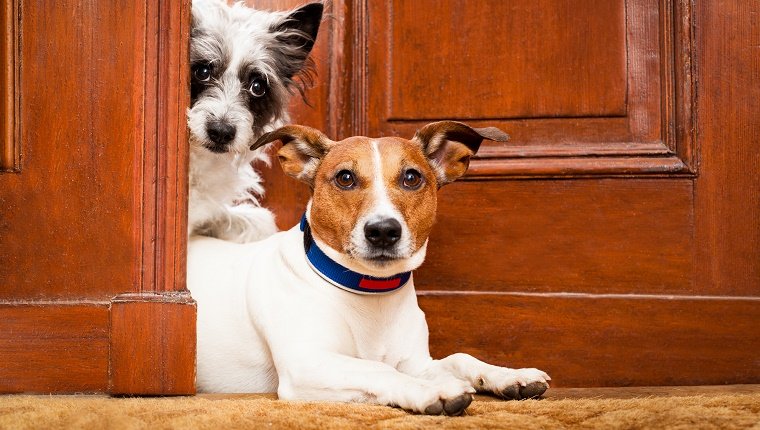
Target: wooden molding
(141, 344)
(153, 344)
(53, 347)
(10, 144)
(653, 136)
(557, 167)
(588, 340)
(161, 194)
(360, 68)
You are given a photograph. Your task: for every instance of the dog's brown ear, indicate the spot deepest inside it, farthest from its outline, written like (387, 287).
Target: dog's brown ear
(449, 145)
(302, 149)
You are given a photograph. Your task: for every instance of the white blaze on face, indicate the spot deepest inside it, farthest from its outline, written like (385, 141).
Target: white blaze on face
(381, 208)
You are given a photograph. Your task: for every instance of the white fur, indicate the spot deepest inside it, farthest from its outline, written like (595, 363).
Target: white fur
(267, 322)
(219, 182)
(382, 208)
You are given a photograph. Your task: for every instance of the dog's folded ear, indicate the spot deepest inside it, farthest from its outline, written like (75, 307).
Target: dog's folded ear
(302, 149)
(448, 145)
(296, 34)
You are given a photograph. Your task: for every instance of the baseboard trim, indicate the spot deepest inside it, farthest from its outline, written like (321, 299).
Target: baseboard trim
(152, 344)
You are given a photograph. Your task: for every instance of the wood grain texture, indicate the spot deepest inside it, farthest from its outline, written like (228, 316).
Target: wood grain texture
(523, 66)
(501, 69)
(153, 344)
(602, 236)
(161, 149)
(114, 165)
(99, 208)
(589, 341)
(727, 196)
(53, 348)
(580, 167)
(10, 145)
(66, 219)
(522, 60)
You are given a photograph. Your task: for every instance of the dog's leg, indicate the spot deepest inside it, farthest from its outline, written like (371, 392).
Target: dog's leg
(336, 377)
(242, 223)
(504, 382)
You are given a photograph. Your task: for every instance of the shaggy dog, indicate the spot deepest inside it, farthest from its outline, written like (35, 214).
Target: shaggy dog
(245, 64)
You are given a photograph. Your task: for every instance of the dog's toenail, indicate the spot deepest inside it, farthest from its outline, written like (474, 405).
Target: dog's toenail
(434, 409)
(457, 405)
(533, 390)
(511, 392)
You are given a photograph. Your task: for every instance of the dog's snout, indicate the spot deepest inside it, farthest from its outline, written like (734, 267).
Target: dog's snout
(220, 132)
(384, 233)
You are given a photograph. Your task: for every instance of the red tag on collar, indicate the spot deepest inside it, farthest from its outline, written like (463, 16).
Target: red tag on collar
(380, 284)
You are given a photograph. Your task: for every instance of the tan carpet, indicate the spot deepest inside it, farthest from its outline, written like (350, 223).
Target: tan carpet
(689, 408)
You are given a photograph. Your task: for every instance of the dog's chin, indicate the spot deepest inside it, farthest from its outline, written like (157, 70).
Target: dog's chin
(383, 263)
(382, 260)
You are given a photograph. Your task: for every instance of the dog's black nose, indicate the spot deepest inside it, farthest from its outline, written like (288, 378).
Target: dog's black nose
(220, 132)
(384, 233)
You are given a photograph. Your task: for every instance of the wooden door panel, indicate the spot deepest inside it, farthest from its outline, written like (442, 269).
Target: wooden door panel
(492, 65)
(93, 197)
(74, 187)
(600, 236)
(54, 347)
(567, 81)
(587, 340)
(609, 245)
(592, 235)
(727, 191)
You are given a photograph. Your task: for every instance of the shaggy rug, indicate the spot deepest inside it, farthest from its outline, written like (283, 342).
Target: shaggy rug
(646, 408)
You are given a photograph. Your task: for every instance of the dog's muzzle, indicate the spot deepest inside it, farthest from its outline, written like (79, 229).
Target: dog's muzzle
(220, 134)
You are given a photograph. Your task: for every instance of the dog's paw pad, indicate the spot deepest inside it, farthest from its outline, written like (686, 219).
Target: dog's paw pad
(457, 405)
(434, 409)
(533, 390)
(511, 392)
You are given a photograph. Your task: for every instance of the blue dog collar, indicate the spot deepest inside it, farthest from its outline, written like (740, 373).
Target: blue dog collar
(343, 277)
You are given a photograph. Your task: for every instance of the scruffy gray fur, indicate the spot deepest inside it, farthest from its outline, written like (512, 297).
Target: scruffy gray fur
(245, 64)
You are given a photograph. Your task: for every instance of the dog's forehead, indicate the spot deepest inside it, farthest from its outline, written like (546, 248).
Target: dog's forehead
(241, 33)
(392, 150)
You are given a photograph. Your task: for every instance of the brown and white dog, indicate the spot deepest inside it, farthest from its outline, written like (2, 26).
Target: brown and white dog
(327, 310)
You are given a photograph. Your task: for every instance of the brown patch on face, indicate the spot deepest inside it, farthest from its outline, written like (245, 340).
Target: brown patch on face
(334, 211)
(417, 206)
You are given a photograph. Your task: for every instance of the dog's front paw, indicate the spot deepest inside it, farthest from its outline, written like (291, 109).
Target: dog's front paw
(437, 398)
(516, 384)
(452, 407)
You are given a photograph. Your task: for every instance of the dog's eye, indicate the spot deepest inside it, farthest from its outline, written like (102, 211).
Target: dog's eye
(345, 179)
(202, 72)
(411, 179)
(258, 86)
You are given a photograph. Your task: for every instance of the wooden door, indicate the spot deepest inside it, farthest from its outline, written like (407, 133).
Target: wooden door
(93, 178)
(615, 240)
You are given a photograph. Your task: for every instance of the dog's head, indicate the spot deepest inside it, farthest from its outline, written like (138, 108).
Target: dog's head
(244, 64)
(374, 200)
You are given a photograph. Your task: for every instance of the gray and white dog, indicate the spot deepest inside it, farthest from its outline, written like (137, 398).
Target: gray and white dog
(245, 64)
